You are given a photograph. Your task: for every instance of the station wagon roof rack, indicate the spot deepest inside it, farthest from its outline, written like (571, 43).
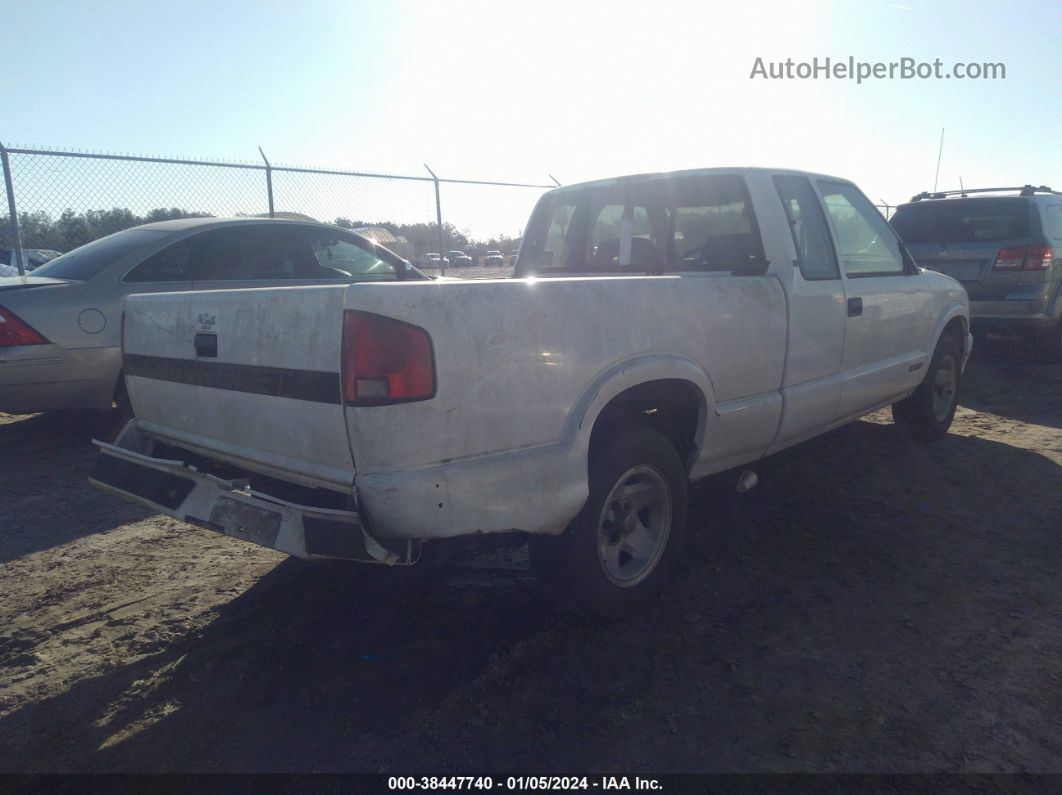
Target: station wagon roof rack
(1024, 190)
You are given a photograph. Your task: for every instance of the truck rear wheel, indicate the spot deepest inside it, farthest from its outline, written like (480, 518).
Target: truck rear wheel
(927, 414)
(619, 550)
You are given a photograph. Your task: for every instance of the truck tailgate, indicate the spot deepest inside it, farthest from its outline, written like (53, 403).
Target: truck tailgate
(250, 375)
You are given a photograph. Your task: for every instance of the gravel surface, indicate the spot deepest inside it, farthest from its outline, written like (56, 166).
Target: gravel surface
(873, 605)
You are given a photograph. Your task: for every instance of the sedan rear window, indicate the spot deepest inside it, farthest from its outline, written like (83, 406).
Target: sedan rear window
(86, 261)
(962, 220)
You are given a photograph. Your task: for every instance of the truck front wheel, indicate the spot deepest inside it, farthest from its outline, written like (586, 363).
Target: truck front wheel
(927, 414)
(619, 550)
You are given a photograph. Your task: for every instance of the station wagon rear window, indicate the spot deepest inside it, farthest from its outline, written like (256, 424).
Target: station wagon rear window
(684, 223)
(962, 220)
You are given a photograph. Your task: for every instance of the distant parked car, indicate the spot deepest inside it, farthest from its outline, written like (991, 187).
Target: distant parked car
(60, 326)
(459, 259)
(32, 258)
(494, 259)
(432, 261)
(1005, 246)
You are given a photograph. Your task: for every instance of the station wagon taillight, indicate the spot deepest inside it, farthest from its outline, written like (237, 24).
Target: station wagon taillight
(1037, 257)
(385, 360)
(13, 331)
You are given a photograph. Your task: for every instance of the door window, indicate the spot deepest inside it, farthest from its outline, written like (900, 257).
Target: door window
(252, 253)
(868, 246)
(341, 257)
(811, 236)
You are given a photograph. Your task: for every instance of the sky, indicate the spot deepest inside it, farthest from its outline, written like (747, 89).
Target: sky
(521, 90)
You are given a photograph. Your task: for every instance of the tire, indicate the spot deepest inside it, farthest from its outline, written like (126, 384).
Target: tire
(927, 414)
(1048, 346)
(613, 559)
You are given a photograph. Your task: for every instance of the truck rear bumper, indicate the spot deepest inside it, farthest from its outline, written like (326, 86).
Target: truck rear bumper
(177, 489)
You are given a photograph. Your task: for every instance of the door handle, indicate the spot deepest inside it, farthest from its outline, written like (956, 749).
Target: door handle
(206, 345)
(855, 307)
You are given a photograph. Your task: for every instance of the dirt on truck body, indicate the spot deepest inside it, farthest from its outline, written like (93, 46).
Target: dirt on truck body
(873, 605)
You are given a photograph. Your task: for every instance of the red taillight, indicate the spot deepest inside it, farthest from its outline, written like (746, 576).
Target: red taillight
(1031, 258)
(1010, 259)
(14, 332)
(1038, 258)
(385, 360)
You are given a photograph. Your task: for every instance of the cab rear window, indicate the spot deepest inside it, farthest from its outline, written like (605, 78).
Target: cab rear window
(684, 223)
(962, 220)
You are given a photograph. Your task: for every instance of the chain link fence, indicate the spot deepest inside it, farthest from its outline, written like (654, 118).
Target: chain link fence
(58, 200)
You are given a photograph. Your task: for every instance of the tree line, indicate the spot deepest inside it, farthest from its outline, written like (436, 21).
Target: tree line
(72, 229)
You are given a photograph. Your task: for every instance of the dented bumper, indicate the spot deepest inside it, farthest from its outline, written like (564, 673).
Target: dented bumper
(178, 489)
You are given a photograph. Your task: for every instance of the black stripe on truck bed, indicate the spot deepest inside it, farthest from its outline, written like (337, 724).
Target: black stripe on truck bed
(312, 385)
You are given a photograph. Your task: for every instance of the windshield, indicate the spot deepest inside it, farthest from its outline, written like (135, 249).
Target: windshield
(962, 220)
(86, 261)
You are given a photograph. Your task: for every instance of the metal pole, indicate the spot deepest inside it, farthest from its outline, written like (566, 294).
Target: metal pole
(940, 152)
(16, 235)
(269, 180)
(438, 220)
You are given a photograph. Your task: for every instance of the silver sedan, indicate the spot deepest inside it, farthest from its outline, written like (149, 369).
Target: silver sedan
(60, 327)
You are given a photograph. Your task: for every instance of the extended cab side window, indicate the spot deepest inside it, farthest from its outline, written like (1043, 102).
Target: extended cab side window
(811, 235)
(868, 246)
(713, 225)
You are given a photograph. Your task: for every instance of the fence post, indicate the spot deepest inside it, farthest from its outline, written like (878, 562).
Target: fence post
(269, 180)
(438, 221)
(16, 234)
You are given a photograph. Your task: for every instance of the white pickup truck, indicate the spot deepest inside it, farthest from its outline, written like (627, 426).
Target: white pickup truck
(658, 329)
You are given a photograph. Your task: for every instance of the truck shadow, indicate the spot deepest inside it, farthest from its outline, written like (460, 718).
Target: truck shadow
(45, 460)
(820, 622)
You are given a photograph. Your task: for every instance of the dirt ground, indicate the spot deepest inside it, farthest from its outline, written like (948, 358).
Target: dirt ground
(874, 605)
